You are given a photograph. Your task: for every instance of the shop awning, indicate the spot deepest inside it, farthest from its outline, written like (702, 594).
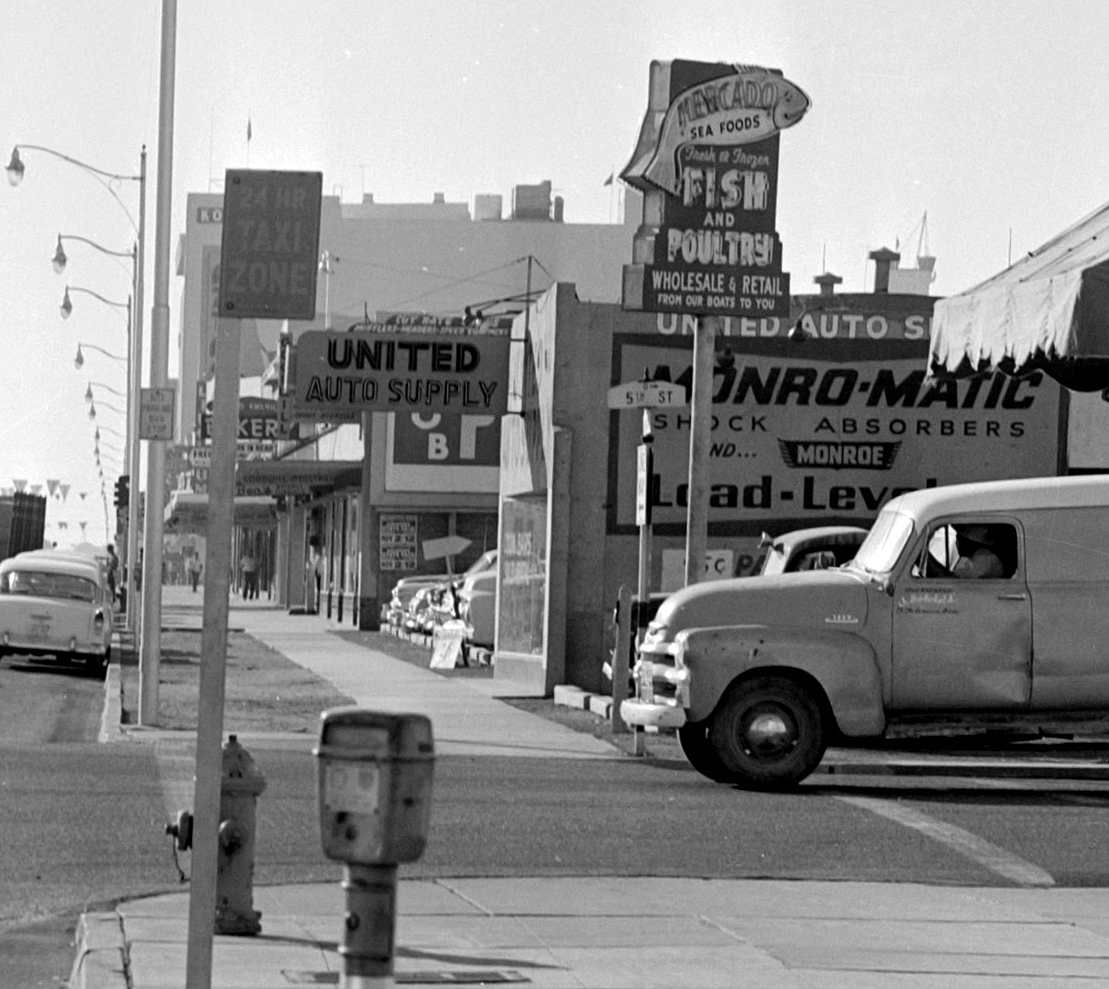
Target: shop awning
(1049, 311)
(187, 510)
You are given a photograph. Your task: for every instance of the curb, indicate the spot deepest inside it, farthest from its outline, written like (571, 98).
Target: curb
(101, 961)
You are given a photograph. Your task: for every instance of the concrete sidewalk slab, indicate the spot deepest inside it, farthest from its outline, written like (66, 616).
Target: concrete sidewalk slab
(550, 933)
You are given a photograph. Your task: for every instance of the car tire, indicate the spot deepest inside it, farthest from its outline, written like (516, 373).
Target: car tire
(694, 739)
(769, 732)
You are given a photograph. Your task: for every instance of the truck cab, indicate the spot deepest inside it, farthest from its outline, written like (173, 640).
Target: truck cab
(980, 600)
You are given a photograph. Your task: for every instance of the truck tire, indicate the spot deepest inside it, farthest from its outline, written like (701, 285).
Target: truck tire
(698, 749)
(768, 732)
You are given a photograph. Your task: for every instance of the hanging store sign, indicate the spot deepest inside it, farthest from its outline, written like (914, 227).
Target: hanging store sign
(380, 367)
(707, 161)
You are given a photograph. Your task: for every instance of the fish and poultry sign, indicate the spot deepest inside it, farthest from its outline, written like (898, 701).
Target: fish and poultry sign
(707, 163)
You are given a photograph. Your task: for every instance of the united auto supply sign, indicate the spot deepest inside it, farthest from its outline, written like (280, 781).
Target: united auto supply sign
(427, 365)
(826, 430)
(707, 162)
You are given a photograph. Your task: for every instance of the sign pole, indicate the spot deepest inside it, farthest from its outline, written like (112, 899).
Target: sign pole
(700, 438)
(256, 206)
(213, 652)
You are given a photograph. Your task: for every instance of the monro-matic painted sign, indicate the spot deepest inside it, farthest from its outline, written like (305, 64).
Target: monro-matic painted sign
(707, 162)
(383, 367)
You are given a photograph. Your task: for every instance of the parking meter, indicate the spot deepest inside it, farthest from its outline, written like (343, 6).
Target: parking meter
(373, 773)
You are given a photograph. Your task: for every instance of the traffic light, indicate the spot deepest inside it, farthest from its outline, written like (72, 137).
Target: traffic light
(123, 491)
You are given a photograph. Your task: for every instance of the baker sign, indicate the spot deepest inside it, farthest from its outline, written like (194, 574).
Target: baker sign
(341, 375)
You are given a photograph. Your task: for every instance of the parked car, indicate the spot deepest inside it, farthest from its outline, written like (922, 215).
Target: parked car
(56, 604)
(815, 548)
(758, 676)
(395, 613)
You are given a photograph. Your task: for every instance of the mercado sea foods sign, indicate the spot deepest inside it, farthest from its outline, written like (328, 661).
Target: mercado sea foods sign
(707, 163)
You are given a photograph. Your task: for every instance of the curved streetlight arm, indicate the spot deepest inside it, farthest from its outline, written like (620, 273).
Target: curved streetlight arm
(16, 169)
(97, 295)
(79, 360)
(59, 260)
(107, 405)
(100, 384)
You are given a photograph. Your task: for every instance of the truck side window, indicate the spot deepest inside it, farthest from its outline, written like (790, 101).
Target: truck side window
(985, 551)
(938, 555)
(969, 550)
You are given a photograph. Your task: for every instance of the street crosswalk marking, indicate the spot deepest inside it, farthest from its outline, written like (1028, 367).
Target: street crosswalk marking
(978, 850)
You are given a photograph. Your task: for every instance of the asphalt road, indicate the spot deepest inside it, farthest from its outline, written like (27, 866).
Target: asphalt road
(83, 823)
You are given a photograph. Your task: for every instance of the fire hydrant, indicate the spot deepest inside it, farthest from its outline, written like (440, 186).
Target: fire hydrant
(240, 785)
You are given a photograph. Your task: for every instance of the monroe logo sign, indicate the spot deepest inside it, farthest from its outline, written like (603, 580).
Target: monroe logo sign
(381, 368)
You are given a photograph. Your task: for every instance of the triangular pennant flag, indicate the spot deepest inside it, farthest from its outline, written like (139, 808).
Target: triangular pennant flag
(36, 488)
(64, 489)
(83, 494)
(19, 484)
(51, 486)
(83, 524)
(63, 525)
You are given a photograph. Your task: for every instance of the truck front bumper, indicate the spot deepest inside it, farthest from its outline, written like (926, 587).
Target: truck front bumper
(644, 714)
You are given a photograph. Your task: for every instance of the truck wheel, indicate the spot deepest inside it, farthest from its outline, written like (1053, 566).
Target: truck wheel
(768, 733)
(694, 739)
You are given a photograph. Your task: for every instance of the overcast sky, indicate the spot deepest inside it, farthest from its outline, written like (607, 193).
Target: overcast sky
(987, 117)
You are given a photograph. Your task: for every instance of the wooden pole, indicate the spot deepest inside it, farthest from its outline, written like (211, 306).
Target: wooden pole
(700, 438)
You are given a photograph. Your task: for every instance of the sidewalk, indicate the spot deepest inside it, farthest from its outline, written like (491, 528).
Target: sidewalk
(592, 931)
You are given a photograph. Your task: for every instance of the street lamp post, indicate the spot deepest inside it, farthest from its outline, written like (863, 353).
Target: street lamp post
(110, 180)
(134, 392)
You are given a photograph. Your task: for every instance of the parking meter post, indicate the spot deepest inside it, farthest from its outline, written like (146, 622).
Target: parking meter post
(373, 773)
(621, 658)
(369, 924)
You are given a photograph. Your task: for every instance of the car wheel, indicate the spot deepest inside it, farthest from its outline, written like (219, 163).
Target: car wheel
(769, 731)
(695, 743)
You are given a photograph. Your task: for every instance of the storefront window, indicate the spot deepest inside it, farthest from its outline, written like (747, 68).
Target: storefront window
(523, 575)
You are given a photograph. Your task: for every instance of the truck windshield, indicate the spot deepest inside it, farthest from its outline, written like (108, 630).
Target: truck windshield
(885, 541)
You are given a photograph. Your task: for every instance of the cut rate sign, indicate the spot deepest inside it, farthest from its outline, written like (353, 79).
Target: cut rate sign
(270, 244)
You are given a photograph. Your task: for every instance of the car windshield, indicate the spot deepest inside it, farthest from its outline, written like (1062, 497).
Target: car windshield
(885, 541)
(48, 585)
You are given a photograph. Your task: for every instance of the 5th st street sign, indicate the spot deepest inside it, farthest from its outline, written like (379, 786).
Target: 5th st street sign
(270, 244)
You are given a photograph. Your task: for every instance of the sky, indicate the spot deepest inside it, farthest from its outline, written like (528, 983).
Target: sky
(971, 132)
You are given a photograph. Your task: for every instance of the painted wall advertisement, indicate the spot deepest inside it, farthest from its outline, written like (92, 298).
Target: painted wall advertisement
(828, 429)
(709, 144)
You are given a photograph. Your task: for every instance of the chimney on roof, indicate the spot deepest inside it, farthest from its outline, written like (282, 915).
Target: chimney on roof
(884, 259)
(439, 198)
(559, 209)
(827, 283)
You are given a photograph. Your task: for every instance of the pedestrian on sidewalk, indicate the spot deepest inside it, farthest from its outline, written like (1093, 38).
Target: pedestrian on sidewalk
(195, 568)
(249, 567)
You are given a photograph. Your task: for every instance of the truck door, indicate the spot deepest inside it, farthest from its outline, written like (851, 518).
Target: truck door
(962, 627)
